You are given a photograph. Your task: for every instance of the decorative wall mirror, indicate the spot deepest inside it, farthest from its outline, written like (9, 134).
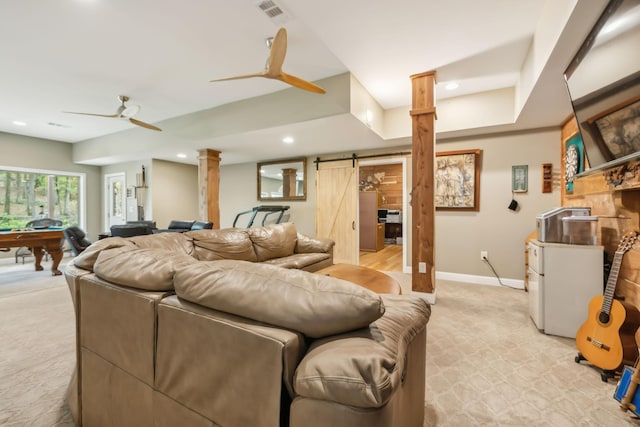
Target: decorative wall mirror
(281, 180)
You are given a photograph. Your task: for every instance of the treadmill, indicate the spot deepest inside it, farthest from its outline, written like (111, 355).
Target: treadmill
(267, 210)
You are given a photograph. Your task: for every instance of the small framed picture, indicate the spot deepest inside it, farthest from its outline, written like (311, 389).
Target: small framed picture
(520, 178)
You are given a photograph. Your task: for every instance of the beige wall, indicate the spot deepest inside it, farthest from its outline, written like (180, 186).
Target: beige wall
(239, 193)
(172, 192)
(460, 236)
(35, 153)
(175, 192)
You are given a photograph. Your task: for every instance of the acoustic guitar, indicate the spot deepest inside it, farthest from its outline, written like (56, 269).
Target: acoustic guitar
(598, 339)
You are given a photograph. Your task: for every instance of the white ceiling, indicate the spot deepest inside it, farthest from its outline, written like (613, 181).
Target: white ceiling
(79, 55)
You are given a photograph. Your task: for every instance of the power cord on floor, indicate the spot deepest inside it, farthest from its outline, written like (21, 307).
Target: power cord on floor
(485, 259)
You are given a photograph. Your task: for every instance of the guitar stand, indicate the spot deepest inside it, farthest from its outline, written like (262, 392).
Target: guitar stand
(605, 374)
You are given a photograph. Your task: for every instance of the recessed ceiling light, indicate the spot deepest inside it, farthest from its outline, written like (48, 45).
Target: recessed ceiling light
(19, 123)
(288, 140)
(451, 86)
(181, 155)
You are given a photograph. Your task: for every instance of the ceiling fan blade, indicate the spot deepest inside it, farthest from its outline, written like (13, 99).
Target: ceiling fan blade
(245, 76)
(299, 83)
(277, 53)
(92, 114)
(143, 124)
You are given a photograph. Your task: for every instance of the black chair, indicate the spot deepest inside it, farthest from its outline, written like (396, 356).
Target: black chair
(180, 226)
(202, 225)
(130, 230)
(77, 239)
(37, 223)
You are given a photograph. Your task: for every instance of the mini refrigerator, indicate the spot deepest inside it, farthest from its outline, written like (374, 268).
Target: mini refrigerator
(563, 279)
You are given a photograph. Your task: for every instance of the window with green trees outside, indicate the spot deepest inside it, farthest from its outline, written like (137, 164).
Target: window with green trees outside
(26, 195)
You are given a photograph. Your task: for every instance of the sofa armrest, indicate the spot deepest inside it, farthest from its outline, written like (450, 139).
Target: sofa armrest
(228, 368)
(363, 368)
(307, 244)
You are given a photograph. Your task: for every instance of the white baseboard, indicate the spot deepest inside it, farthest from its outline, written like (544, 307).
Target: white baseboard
(466, 278)
(479, 280)
(470, 278)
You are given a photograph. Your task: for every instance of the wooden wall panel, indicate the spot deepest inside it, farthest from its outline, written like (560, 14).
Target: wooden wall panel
(389, 186)
(618, 210)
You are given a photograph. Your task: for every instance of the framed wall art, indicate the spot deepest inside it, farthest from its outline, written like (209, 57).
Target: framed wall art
(617, 130)
(520, 179)
(457, 180)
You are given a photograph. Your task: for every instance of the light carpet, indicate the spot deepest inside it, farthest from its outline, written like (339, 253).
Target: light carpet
(487, 365)
(37, 354)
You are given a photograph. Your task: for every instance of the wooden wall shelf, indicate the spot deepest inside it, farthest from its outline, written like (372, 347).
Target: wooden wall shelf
(547, 177)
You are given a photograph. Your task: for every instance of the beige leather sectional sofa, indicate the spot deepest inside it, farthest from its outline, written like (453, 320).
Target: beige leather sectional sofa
(207, 329)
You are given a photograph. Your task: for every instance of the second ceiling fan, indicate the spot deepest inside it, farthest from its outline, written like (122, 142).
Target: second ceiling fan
(273, 68)
(123, 112)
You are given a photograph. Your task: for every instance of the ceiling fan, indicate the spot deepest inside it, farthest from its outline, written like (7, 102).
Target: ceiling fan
(123, 112)
(273, 68)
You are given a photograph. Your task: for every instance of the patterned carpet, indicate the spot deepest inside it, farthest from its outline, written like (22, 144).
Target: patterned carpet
(487, 365)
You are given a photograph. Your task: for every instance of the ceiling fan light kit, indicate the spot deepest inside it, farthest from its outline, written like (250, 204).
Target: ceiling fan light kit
(273, 70)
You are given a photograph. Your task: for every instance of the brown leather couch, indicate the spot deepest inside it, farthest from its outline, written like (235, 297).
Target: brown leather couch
(171, 334)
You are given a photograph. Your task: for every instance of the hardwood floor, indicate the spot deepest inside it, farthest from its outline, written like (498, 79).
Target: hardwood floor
(387, 259)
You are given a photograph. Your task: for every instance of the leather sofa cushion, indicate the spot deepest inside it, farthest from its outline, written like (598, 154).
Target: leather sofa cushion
(273, 241)
(175, 242)
(375, 365)
(306, 244)
(150, 269)
(313, 304)
(229, 243)
(87, 258)
(298, 261)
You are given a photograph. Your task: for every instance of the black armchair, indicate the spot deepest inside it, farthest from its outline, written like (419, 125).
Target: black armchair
(77, 239)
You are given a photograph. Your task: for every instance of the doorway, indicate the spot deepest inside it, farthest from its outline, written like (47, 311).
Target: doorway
(115, 199)
(383, 193)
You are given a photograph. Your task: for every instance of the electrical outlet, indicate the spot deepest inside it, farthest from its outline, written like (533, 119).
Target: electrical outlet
(422, 267)
(484, 255)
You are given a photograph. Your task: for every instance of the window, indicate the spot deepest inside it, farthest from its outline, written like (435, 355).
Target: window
(30, 194)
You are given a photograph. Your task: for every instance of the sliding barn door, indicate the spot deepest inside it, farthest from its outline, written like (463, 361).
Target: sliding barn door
(336, 208)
